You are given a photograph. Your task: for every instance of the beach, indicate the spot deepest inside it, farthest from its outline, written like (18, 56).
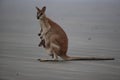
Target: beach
(92, 27)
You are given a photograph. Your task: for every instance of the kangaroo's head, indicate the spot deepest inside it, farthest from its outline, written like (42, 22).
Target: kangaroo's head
(41, 12)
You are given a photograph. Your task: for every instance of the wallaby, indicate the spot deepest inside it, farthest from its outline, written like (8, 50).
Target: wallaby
(56, 40)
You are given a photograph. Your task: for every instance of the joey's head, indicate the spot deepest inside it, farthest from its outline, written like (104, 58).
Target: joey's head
(41, 12)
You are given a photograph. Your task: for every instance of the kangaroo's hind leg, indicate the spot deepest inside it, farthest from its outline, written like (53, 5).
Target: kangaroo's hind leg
(55, 51)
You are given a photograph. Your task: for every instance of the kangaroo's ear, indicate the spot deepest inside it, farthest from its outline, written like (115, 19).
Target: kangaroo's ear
(38, 9)
(44, 9)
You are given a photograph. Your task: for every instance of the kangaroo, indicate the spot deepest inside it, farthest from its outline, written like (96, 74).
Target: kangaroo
(55, 38)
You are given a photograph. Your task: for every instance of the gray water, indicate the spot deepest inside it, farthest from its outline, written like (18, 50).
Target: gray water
(93, 29)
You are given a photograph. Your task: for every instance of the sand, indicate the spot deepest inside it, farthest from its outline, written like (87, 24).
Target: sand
(93, 29)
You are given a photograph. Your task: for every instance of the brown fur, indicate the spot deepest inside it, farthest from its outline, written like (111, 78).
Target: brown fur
(56, 40)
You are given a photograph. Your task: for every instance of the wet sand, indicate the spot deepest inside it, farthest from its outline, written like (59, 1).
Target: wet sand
(93, 30)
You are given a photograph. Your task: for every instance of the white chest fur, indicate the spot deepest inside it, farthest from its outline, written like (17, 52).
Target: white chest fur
(45, 27)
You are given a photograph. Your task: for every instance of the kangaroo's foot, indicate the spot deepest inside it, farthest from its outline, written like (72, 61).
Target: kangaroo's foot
(55, 57)
(47, 60)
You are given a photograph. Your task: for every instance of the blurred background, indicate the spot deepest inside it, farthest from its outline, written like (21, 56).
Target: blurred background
(92, 26)
(95, 22)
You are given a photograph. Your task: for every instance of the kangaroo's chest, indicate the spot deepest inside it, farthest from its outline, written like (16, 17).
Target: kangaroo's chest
(45, 27)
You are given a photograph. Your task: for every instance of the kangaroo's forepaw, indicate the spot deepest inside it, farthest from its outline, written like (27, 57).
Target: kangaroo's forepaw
(39, 34)
(39, 45)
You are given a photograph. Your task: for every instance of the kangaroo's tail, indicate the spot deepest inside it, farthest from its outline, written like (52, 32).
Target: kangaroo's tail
(68, 58)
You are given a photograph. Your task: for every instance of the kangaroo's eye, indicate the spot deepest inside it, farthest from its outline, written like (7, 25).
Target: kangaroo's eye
(41, 14)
